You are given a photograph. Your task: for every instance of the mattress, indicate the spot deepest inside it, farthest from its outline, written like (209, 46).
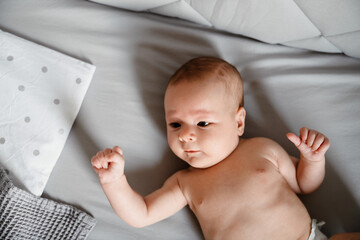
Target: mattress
(135, 54)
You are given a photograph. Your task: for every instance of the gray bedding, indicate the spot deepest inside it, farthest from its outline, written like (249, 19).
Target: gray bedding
(135, 54)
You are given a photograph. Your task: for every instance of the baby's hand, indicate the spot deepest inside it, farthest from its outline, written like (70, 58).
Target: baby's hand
(109, 164)
(311, 144)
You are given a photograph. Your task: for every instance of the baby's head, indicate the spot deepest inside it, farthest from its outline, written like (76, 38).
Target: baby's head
(204, 111)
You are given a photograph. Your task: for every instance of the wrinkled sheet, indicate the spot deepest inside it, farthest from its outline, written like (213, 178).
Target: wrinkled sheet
(324, 25)
(135, 54)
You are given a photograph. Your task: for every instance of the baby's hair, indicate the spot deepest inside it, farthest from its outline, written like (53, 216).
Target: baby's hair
(199, 68)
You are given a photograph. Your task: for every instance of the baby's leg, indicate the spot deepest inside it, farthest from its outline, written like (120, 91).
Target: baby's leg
(346, 236)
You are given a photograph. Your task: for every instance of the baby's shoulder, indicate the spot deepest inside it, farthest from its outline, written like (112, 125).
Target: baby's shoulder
(264, 147)
(188, 174)
(262, 143)
(183, 173)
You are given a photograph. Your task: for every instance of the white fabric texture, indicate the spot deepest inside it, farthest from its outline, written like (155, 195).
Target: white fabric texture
(41, 92)
(326, 25)
(316, 234)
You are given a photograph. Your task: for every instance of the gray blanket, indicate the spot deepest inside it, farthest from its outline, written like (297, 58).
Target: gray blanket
(25, 216)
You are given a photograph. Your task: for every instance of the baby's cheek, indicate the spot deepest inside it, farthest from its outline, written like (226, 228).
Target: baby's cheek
(173, 145)
(220, 148)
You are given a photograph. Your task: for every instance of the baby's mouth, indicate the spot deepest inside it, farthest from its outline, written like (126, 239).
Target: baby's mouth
(191, 151)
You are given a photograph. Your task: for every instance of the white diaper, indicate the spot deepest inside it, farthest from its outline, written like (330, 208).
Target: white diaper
(316, 234)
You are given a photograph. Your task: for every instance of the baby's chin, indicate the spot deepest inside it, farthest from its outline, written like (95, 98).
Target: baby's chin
(204, 160)
(201, 161)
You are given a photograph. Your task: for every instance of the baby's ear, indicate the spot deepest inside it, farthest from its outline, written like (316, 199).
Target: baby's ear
(240, 119)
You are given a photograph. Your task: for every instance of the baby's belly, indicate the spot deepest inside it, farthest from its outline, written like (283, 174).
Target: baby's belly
(259, 209)
(283, 219)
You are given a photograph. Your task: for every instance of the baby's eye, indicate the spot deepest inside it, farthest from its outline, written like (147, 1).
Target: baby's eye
(203, 124)
(175, 125)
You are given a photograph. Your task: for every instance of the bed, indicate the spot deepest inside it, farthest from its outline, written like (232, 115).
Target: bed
(135, 53)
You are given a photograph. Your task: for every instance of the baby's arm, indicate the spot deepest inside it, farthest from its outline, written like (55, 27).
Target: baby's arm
(310, 169)
(128, 204)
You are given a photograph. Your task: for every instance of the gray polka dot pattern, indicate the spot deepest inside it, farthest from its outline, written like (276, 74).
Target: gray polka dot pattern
(36, 152)
(41, 92)
(21, 88)
(27, 119)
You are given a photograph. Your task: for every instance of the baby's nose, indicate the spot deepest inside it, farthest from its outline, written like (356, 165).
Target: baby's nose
(187, 136)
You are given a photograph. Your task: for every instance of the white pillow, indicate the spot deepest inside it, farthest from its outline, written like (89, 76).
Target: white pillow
(41, 92)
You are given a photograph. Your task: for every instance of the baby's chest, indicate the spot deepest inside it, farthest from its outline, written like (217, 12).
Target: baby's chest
(225, 189)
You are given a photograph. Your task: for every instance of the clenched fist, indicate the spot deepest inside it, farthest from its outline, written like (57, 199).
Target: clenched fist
(109, 164)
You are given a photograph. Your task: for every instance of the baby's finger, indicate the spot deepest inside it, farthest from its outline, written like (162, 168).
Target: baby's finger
(95, 162)
(104, 163)
(317, 142)
(294, 139)
(107, 151)
(100, 155)
(106, 160)
(324, 146)
(311, 138)
(118, 150)
(303, 148)
(101, 161)
(113, 157)
(304, 133)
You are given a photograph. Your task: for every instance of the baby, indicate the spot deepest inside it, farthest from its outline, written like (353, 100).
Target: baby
(237, 188)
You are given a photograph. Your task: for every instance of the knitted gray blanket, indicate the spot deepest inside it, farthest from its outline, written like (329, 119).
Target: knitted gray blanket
(25, 216)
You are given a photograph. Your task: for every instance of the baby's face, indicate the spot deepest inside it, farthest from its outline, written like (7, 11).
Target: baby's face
(202, 122)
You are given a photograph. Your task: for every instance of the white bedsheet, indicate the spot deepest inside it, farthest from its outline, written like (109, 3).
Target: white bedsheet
(135, 54)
